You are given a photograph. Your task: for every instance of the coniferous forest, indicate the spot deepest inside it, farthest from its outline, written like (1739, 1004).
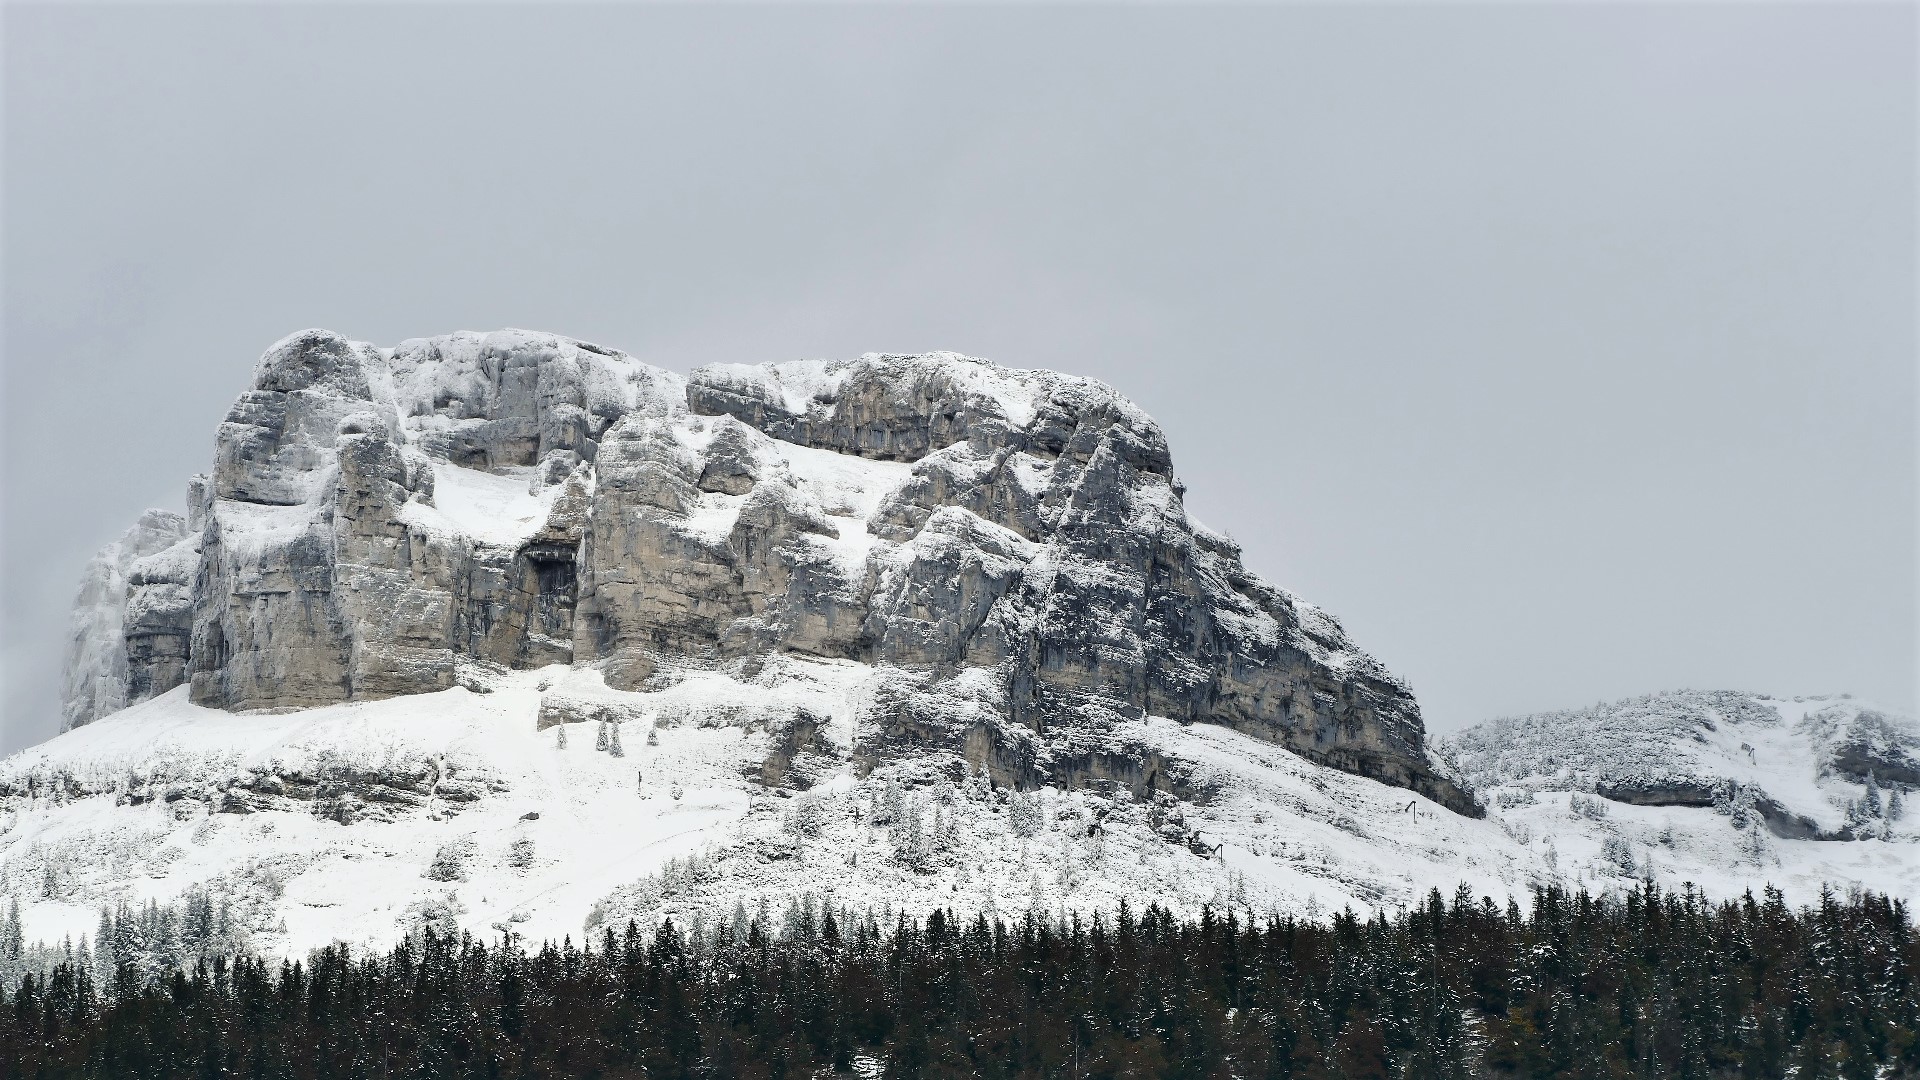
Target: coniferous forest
(1645, 984)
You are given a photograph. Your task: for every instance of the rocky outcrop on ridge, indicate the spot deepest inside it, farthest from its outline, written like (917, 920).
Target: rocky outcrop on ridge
(1809, 768)
(1008, 547)
(131, 620)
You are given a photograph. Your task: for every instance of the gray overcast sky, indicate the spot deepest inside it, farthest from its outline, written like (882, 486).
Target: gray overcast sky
(1563, 352)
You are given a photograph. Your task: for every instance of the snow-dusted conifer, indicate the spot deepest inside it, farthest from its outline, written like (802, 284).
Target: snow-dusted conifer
(12, 945)
(1025, 814)
(613, 741)
(892, 804)
(1618, 853)
(560, 736)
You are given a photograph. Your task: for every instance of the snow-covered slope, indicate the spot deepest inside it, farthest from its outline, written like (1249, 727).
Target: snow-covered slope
(516, 802)
(358, 821)
(1728, 790)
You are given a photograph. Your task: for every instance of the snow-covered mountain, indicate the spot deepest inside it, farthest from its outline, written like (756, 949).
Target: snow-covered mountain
(512, 631)
(1724, 789)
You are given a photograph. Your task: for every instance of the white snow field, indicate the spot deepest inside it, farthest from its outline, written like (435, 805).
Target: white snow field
(457, 807)
(679, 823)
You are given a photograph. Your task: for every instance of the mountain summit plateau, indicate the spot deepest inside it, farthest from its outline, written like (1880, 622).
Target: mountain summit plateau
(1007, 551)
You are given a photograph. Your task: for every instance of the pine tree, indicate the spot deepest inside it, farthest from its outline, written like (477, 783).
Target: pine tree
(1629, 984)
(1026, 815)
(12, 945)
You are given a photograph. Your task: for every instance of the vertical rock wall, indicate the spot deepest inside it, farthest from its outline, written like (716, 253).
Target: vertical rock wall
(1013, 544)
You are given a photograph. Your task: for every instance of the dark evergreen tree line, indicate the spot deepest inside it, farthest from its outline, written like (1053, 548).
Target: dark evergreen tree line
(1641, 985)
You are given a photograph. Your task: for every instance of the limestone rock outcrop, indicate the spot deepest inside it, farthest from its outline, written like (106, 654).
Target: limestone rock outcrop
(122, 607)
(1007, 549)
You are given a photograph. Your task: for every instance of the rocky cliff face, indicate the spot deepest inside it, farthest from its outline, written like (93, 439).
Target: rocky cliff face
(131, 620)
(1007, 549)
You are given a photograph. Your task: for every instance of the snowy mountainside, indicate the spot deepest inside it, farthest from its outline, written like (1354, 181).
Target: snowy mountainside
(845, 610)
(361, 820)
(1800, 764)
(1712, 787)
(548, 804)
(513, 632)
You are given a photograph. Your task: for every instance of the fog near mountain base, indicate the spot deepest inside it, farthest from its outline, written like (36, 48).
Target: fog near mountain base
(1561, 353)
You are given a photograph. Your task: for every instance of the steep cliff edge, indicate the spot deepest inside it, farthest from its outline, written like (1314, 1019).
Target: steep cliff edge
(1006, 550)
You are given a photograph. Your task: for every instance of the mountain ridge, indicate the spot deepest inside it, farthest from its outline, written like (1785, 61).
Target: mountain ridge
(353, 542)
(512, 633)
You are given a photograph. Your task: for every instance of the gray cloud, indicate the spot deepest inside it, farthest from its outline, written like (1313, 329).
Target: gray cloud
(1564, 352)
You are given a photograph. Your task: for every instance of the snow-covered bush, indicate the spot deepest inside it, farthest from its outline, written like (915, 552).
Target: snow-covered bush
(439, 913)
(450, 861)
(806, 816)
(642, 900)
